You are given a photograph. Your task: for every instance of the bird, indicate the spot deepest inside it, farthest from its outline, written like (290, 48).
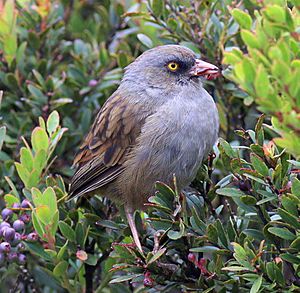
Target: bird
(160, 122)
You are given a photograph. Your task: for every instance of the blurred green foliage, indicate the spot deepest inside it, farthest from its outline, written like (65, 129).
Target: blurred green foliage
(236, 230)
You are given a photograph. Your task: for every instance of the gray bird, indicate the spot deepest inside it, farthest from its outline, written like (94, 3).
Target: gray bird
(159, 122)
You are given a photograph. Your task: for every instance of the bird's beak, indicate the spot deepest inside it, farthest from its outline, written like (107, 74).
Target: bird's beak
(202, 68)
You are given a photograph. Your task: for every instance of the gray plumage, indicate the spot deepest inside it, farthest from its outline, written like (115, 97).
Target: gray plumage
(158, 123)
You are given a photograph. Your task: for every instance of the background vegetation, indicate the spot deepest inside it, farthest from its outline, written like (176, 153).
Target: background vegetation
(236, 230)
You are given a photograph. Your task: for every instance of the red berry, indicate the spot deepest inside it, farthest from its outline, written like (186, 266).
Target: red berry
(191, 257)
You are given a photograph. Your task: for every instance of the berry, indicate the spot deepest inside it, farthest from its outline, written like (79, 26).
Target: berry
(25, 203)
(3, 226)
(21, 246)
(22, 258)
(9, 234)
(6, 213)
(93, 82)
(25, 218)
(16, 205)
(191, 257)
(5, 247)
(12, 256)
(32, 237)
(18, 225)
(17, 239)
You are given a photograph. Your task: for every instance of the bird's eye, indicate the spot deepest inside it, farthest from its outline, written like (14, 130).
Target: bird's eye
(173, 66)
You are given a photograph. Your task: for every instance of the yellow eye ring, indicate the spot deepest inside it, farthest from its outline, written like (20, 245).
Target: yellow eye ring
(173, 66)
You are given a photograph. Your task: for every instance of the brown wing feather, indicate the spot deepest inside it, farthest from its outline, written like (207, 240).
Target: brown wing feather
(101, 155)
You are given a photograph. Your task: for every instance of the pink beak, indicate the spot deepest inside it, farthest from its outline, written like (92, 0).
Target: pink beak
(202, 68)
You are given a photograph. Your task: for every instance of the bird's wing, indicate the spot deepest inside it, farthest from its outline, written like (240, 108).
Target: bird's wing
(101, 156)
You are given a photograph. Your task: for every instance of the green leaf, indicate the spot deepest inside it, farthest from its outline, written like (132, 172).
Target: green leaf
(22, 172)
(259, 165)
(275, 13)
(37, 225)
(26, 158)
(157, 255)
(52, 122)
(39, 139)
(274, 273)
(2, 133)
(49, 199)
(124, 278)
(145, 40)
(62, 250)
(256, 285)
(157, 7)
(290, 258)
(289, 218)
(250, 39)
(208, 249)
(174, 235)
(37, 94)
(242, 18)
(44, 214)
(296, 187)
(282, 233)
(38, 250)
(67, 231)
(248, 199)
(10, 199)
(261, 83)
(60, 269)
(232, 192)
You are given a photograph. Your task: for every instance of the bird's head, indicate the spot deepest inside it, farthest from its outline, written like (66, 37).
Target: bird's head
(169, 66)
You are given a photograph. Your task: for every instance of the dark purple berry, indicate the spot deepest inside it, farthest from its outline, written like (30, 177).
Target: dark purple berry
(9, 234)
(12, 256)
(3, 226)
(18, 225)
(21, 246)
(32, 237)
(2, 258)
(22, 258)
(25, 218)
(25, 203)
(17, 239)
(6, 214)
(5, 247)
(16, 205)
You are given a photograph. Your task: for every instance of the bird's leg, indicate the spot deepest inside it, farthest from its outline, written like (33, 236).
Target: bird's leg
(130, 219)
